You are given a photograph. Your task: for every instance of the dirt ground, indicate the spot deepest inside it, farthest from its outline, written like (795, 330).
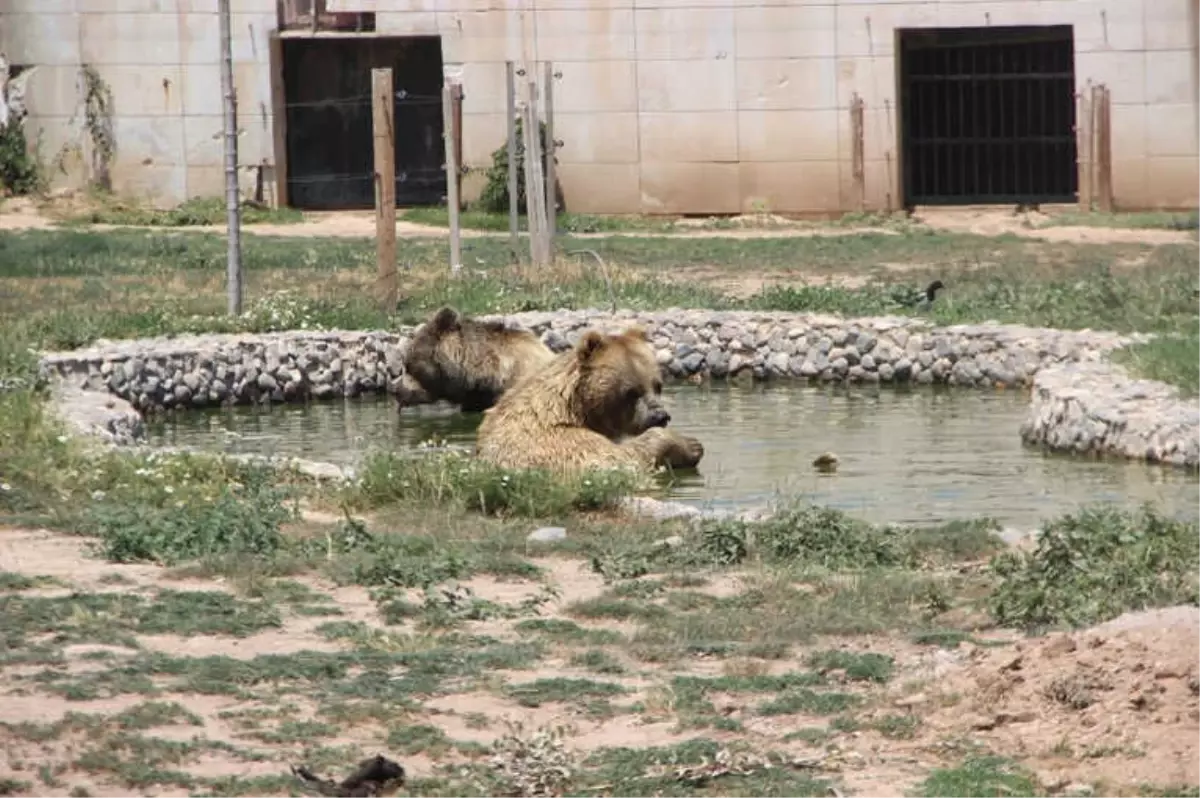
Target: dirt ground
(21, 214)
(1111, 707)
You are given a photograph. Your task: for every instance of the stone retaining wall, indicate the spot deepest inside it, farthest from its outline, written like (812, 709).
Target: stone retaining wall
(206, 370)
(1097, 408)
(196, 371)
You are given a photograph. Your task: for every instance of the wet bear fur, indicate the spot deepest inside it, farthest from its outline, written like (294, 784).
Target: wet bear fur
(582, 411)
(467, 362)
(471, 363)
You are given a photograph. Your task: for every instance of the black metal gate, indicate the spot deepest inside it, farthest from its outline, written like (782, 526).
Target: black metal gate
(988, 115)
(330, 150)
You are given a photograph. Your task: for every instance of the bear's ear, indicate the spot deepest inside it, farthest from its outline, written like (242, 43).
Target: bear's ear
(636, 333)
(445, 320)
(589, 345)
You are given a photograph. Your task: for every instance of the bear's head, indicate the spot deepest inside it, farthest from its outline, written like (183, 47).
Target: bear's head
(618, 384)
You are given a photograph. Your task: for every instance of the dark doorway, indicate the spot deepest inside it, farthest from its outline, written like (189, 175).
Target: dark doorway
(988, 115)
(327, 95)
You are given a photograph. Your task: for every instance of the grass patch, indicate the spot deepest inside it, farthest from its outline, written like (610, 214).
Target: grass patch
(864, 667)
(1173, 359)
(69, 287)
(897, 727)
(12, 581)
(421, 738)
(460, 481)
(386, 670)
(451, 548)
(567, 223)
(563, 631)
(598, 661)
(808, 702)
(684, 769)
(544, 691)
(777, 612)
(1137, 220)
(1094, 565)
(113, 618)
(799, 533)
(244, 518)
(198, 211)
(982, 776)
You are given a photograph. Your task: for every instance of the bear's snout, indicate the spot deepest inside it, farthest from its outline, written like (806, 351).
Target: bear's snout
(658, 418)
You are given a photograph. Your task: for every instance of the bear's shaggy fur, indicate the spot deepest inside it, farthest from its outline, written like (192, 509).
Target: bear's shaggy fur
(466, 361)
(583, 410)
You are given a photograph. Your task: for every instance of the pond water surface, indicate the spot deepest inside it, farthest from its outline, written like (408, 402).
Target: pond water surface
(908, 455)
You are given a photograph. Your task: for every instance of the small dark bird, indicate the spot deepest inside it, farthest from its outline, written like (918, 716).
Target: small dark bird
(921, 301)
(373, 777)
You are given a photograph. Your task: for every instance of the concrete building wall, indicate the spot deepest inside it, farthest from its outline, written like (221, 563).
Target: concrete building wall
(160, 59)
(664, 106)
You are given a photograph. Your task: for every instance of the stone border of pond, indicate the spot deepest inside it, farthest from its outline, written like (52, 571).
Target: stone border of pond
(1080, 402)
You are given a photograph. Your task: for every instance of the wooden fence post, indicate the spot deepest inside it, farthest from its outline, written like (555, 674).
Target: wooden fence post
(551, 193)
(1103, 152)
(383, 114)
(856, 151)
(513, 205)
(451, 178)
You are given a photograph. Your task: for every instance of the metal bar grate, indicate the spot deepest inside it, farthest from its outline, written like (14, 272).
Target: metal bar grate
(988, 115)
(327, 107)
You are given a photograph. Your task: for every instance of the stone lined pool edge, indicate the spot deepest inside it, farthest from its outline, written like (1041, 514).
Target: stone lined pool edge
(1080, 402)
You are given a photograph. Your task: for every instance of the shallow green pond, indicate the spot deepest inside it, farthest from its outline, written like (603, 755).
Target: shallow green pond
(907, 455)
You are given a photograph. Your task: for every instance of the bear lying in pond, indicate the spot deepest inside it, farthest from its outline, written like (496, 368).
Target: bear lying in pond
(579, 410)
(471, 363)
(466, 361)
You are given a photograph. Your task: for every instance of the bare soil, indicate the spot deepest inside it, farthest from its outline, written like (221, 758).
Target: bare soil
(1114, 705)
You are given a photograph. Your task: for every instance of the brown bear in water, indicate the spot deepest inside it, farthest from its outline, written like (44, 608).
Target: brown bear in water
(580, 410)
(466, 361)
(471, 363)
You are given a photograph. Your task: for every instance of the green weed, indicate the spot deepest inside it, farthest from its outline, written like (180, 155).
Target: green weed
(652, 771)
(978, 776)
(421, 738)
(1173, 359)
(543, 691)
(198, 211)
(457, 480)
(799, 533)
(779, 612)
(1164, 220)
(809, 702)
(11, 786)
(243, 519)
(1093, 565)
(867, 666)
(13, 581)
(598, 661)
(114, 618)
(568, 223)
(563, 631)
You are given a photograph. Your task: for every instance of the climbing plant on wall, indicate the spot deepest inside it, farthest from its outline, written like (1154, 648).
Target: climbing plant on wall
(98, 120)
(494, 198)
(20, 169)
